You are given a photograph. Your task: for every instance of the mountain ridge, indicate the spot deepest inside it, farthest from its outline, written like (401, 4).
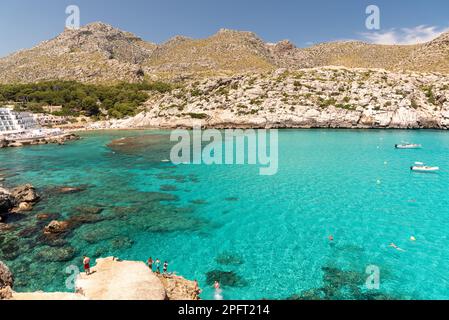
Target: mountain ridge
(100, 53)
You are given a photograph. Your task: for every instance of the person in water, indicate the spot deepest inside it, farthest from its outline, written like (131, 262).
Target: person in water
(217, 285)
(86, 263)
(396, 247)
(158, 266)
(165, 266)
(150, 263)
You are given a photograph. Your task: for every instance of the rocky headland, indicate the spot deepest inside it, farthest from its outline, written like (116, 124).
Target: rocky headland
(111, 279)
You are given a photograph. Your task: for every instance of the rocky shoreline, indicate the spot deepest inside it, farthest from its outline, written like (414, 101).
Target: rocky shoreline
(59, 139)
(110, 279)
(331, 97)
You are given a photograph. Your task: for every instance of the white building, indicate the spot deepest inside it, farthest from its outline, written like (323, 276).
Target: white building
(12, 122)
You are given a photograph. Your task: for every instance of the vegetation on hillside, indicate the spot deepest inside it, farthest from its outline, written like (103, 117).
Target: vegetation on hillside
(116, 101)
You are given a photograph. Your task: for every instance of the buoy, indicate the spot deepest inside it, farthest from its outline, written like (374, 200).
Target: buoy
(412, 238)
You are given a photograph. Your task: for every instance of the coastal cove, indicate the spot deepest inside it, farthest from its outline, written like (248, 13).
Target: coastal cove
(260, 236)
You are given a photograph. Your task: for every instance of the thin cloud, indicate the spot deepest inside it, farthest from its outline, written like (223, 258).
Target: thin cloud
(415, 35)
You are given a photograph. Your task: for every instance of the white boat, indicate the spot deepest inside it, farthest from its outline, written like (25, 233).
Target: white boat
(421, 167)
(408, 146)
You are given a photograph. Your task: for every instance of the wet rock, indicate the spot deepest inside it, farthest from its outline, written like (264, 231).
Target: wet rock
(6, 277)
(24, 207)
(56, 227)
(225, 278)
(26, 193)
(51, 254)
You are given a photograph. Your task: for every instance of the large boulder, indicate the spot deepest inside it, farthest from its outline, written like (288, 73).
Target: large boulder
(56, 227)
(26, 193)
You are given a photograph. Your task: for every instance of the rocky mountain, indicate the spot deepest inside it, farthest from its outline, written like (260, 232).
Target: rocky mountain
(324, 97)
(100, 53)
(94, 53)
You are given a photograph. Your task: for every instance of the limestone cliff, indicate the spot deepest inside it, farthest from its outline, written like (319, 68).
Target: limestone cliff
(332, 97)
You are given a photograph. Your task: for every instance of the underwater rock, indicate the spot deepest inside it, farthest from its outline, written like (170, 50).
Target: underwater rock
(89, 210)
(69, 190)
(225, 278)
(6, 277)
(122, 243)
(158, 197)
(168, 188)
(198, 202)
(51, 254)
(229, 259)
(47, 216)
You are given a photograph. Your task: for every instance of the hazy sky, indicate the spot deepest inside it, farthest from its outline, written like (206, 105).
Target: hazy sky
(25, 23)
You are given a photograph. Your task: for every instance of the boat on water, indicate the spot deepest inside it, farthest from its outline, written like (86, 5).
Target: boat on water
(408, 146)
(421, 167)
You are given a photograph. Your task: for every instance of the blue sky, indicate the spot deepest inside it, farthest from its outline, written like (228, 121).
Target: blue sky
(25, 23)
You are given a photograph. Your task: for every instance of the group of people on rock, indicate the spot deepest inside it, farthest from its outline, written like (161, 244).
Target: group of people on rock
(157, 264)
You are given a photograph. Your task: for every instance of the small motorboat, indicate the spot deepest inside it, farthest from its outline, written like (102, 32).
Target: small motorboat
(408, 146)
(421, 167)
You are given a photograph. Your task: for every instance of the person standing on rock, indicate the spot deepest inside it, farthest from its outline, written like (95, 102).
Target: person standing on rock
(150, 264)
(165, 267)
(158, 266)
(86, 263)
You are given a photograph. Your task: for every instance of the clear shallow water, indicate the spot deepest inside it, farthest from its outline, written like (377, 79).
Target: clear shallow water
(269, 233)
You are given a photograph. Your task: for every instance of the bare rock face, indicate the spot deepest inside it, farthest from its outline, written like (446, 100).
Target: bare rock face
(6, 277)
(178, 288)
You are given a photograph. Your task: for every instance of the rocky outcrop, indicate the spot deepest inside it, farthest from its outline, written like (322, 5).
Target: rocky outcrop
(25, 194)
(307, 98)
(6, 282)
(60, 139)
(16, 200)
(111, 279)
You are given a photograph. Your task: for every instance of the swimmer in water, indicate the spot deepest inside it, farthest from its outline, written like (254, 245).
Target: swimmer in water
(396, 247)
(331, 238)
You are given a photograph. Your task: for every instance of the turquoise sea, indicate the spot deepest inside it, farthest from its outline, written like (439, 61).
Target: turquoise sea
(261, 236)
